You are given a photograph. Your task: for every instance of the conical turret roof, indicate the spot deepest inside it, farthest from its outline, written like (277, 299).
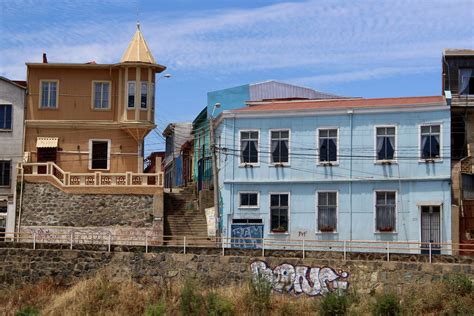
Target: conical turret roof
(137, 50)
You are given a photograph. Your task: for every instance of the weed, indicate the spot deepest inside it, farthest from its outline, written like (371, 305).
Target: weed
(27, 311)
(259, 295)
(158, 309)
(217, 305)
(458, 284)
(334, 304)
(386, 305)
(191, 301)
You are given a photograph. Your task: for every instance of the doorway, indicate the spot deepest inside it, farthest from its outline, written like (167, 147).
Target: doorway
(431, 228)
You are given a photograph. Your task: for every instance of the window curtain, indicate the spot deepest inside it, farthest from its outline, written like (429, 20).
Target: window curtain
(253, 152)
(391, 147)
(323, 150)
(380, 147)
(332, 150)
(426, 147)
(276, 151)
(245, 151)
(434, 145)
(464, 77)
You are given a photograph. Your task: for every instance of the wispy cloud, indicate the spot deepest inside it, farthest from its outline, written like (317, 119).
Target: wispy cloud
(339, 37)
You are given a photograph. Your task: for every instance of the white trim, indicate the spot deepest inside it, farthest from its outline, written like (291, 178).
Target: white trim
(270, 213)
(395, 153)
(394, 231)
(254, 164)
(49, 96)
(251, 206)
(440, 159)
(317, 231)
(386, 179)
(327, 163)
(272, 164)
(108, 153)
(109, 105)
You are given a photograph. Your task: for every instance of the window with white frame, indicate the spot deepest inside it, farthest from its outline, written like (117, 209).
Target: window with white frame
(249, 147)
(131, 94)
(466, 81)
(280, 146)
(279, 208)
(101, 95)
(49, 94)
(430, 141)
(5, 172)
(248, 199)
(327, 211)
(385, 143)
(385, 211)
(327, 145)
(144, 95)
(100, 154)
(5, 116)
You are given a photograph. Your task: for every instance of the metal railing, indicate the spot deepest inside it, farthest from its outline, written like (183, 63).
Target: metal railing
(96, 179)
(263, 246)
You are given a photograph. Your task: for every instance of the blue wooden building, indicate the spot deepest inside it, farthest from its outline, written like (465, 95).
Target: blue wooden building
(333, 170)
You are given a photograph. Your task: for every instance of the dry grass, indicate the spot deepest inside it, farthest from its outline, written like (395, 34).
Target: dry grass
(100, 295)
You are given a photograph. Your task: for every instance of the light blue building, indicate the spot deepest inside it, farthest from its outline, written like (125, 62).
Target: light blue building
(334, 170)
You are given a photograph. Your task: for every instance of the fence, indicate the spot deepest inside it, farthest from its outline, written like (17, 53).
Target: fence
(69, 179)
(299, 247)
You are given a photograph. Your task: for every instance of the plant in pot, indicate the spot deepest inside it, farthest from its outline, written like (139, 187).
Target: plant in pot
(279, 229)
(326, 229)
(386, 229)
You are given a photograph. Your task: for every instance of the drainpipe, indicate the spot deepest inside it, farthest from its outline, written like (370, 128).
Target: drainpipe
(21, 201)
(350, 112)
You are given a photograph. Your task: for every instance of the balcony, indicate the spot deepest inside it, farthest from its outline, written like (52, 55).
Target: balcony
(467, 165)
(94, 180)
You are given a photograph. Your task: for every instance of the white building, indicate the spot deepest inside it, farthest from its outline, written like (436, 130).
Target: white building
(12, 104)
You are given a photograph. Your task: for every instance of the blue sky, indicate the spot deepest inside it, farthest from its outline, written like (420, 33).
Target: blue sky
(371, 48)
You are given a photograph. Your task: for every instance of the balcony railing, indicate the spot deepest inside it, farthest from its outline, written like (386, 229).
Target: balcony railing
(467, 165)
(97, 179)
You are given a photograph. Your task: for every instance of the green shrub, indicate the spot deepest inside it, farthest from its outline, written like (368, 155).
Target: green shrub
(458, 284)
(191, 301)
(259, 294)
(158, 309)
(27, 311)
(386, 305)
(217, 305)
(334, 304)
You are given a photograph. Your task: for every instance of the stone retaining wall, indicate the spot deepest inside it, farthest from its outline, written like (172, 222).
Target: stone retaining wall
(46, 205)
(26, 265)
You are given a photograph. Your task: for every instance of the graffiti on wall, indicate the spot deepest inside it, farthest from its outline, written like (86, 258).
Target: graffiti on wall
(286, 278)
(246, 236)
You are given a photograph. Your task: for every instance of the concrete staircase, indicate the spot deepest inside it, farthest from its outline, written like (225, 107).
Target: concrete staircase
(182, 217)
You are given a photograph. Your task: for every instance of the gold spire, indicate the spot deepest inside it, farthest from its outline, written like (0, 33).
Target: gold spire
(137, 50)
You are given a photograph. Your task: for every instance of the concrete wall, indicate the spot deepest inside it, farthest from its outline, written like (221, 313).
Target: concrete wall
(26, 265)
(11, 143)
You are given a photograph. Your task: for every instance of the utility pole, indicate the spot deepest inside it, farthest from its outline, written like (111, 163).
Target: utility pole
(214, 167)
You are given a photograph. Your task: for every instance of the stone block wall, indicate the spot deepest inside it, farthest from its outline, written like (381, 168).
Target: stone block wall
(46, 205)
(27, 265)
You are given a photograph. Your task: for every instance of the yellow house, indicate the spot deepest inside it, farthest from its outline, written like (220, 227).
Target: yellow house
(91, 118)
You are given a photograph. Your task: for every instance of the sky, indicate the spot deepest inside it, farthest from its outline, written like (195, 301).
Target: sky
(370, 48)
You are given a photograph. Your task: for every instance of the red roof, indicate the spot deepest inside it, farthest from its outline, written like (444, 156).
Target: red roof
(339, 103)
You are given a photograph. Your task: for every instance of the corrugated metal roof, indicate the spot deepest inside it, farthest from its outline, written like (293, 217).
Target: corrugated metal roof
(340, 103)
(272, 89)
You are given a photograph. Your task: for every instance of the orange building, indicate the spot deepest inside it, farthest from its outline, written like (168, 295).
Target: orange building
(89, 118)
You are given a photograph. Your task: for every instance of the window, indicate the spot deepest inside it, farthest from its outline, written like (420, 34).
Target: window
(152, 91)
(5, 169)
(249, 147)
(430, 141)
(328, 145)
(101, 95)
(144, 95)
(385, 143)
(279, 213)
(327, 211)
(3, 207)
(99, 154)
(280, 145)
(131, 94)
(5, 116)
(49, 94)
(385, 207)
(466, 81)
(248, 199)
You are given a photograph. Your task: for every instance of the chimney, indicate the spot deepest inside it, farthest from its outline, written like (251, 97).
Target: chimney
(45, 59)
